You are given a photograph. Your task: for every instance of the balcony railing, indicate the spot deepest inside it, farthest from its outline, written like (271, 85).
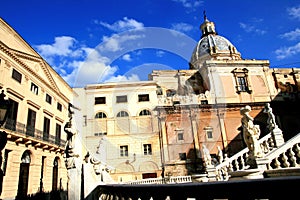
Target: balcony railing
(32, 132)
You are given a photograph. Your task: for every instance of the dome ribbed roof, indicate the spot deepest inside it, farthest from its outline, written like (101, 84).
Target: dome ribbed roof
(212, 47)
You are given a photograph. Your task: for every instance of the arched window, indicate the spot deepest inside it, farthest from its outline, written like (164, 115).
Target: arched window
(26, 157)
(145, 112)
(122, 114)
(100, 115)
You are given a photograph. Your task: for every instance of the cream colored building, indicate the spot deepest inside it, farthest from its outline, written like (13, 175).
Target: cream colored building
(33, 156)
(120, 127)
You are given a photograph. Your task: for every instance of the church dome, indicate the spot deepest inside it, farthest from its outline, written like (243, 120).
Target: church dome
(212, 47)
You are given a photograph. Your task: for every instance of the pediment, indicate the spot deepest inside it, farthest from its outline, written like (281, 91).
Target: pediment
(12, 39)
(20, 51)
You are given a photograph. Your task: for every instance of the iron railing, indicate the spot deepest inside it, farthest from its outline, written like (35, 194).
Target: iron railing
(33, 132)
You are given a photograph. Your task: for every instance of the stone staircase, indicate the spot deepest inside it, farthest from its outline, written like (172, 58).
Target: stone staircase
(279, 159)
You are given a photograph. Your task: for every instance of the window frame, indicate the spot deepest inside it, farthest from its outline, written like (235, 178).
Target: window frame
(241, 86)
(121, 99)
(102, 116)
(143, 98)
(34, 88)
(48, 99)
(209, 132)
(100, 100)
(122, 114)
(124, 150)
(16, 75)
(147, 149)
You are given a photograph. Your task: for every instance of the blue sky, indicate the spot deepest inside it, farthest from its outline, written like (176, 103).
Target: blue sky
(92, 41)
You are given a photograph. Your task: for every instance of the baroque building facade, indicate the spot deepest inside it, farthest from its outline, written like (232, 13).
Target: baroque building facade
(139, 130)
(33, 138)
(179, 113)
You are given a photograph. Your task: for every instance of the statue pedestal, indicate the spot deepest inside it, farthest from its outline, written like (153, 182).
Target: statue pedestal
(278, 137)
(246, 174)
(74, 178)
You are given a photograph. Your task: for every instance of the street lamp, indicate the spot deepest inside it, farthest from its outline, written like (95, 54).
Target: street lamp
(4, 108)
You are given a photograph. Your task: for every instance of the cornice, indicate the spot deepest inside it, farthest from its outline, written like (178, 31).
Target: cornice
(14, 55)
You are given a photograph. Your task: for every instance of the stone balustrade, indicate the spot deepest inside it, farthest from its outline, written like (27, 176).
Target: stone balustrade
(286, 156)
(184, 100)
(238, 161)
(169, 180)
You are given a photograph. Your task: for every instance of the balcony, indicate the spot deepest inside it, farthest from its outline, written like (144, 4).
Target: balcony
(20, 133)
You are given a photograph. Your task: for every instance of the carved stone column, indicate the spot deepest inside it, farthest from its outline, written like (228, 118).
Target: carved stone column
(164, 141)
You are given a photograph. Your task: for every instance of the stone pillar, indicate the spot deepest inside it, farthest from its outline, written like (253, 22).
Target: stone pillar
(74, 180)
(164, 138)
(193, 117)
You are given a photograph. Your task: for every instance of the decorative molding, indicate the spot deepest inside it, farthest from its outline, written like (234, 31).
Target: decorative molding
(33, 104)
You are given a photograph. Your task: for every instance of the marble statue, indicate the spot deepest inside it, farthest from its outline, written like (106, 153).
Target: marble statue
(71, 131)
(271, 117)
(206, 156)
(251, 133)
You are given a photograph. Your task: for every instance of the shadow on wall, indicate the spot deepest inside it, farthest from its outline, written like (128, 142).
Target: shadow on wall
(285, 107)
(53, 195)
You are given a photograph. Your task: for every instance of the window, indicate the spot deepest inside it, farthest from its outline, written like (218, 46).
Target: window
(17, 75)
(30, 127)
(143, 97)
(209, 132)
(180, 136)
(46, 129)
(122, 114)
(242, 84)
(179, 133)
(59, 106)
(100, 100)
(100, 115)
(34, 88)
(182, 156)
(147, 149)
(204, 102)
(145, 112)
(124, 151)
(241, 80)
(122, 99)
(57, 134)
(48, 99)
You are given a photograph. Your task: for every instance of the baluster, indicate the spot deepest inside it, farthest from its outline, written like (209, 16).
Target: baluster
(297, 149)
(292, 157)
(285, 160)
(277, 163)
(236, 164)
(243, 162)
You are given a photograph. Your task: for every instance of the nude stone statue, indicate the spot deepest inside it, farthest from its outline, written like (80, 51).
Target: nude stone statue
(251, 133)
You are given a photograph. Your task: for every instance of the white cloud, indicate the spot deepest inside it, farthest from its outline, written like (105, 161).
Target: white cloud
(122, 25)
(292, 35)
(191, 5)
(182, 27)
(127, 57)
(286, 52)
(61, 47)
(250, 28)
(120, 78)
(294, 12)
(114, 43)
